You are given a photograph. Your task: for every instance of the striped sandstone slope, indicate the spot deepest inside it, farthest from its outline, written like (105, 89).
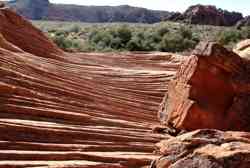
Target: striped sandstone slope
(76, 110)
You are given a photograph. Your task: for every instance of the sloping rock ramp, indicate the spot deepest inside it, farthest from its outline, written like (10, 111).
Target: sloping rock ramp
(83, 110)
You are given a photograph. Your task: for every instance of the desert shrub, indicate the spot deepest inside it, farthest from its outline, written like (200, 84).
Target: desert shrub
(124, 34)
(246, 32)
(229, 36)
(165, 36)
(143, 39)
(181, 40)
(123, 37)
(66, 43)
(162, 30)
(62, 42)
(75, 29)
(99, 40)
(115, 38)
(186, 33)
(134, 45)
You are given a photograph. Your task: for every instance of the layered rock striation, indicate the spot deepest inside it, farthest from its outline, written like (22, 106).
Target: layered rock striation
(96, 110)
(76, 110)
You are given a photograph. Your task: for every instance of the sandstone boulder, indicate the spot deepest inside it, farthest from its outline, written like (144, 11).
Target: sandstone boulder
(243, 49)
(211, 90)
(205, 149)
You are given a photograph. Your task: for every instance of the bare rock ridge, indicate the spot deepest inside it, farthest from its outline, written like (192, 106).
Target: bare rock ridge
(76, 110)
(43, 9)
(209, 15)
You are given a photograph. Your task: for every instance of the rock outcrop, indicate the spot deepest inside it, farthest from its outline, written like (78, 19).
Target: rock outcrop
(243, 49)
(211, 90)
(76, 110)
(209, 15)
(244, 22)
(205, 149)
(23, 35)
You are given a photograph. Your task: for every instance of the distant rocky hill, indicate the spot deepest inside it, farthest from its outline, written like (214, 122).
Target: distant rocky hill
(208, 15)
(43, 9)
(197, 14)
(32, 9)
(244, 22)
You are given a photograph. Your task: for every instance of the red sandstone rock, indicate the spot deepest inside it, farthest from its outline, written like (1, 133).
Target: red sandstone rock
(211, 90)
(76, 110)
(22, 34)
(94, 110)
(205, 149)
(243, 49)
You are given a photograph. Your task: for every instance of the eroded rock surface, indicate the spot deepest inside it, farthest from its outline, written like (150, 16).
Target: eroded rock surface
(20, 33)
(211, 90)
(76, 110)
(205, 149)
(243, 49)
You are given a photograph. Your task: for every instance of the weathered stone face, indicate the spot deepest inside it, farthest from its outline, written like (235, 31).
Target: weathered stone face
(243, 49)
(211, 90)
(205, 149)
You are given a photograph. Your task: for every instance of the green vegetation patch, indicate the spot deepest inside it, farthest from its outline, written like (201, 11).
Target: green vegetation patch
(165, 36)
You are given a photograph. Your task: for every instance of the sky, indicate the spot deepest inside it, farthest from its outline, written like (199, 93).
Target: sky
(242, 6)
